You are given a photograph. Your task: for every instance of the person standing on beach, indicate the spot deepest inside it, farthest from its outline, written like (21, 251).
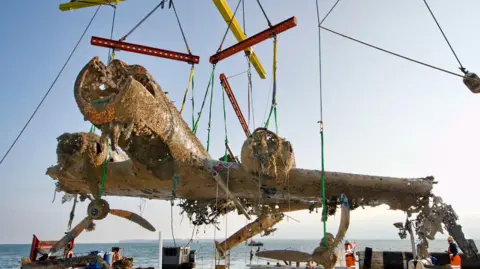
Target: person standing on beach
(350, 255)
(455, 260)
(116, 255)
(68, 252)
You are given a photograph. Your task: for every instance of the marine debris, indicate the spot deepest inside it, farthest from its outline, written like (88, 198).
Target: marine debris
(154, 154)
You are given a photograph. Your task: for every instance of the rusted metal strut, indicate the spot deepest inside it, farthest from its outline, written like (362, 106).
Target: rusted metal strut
(253, 40)
(236, 107)
(168, 54)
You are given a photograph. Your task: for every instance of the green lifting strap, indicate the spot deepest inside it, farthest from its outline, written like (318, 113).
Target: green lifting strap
(225, 157)
(324, 200)
(210, 114)
(210, 83)
(105, 164)
(104, 173)
(273, 108)
(190, 79)
(193, 100)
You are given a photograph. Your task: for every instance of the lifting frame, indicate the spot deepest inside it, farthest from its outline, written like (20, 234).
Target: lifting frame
(72, 5)
(228, 90)
(237, 31)
(253, 40)
(119, 45)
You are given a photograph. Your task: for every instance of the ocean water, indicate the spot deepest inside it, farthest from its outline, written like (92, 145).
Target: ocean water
(146, 254)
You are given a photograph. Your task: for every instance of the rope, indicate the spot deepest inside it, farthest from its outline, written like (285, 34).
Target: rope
(111, 55)
(171, 223)
(392, 53)
(225, 157)
(193, 100)
(273, 108)
(141, 21)
(190, 78)
(324, 202)
(228, 27)
(244, 22)
(237, 74)
(180, 25)
(210, 82)
(267, 103)
(227, 254)
(264, 13)
(191, 238)
(51, 86)
(445, 37)
(215, 231)
(210, 115)
(250, 94)
(330, 11)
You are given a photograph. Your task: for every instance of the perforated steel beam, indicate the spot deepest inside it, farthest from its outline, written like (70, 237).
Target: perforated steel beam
(233, 100)
(118, 45)
(253, 40)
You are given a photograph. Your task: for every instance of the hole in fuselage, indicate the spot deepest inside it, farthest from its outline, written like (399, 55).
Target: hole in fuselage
(99, 148)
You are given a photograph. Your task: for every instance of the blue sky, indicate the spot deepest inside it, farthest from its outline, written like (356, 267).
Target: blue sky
(383, 115)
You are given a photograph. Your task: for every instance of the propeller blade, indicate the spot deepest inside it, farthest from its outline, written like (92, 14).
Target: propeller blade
(70, 235)
(133, 217)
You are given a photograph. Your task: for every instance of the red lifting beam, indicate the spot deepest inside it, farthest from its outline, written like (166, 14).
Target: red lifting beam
(119, 45)
(228, 90)
(253, 40)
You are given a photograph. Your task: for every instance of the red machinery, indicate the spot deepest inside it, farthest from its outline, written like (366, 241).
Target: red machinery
(42, 247)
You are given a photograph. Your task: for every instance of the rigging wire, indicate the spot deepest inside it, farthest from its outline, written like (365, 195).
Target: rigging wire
(243, 15)
(392, 53)
(180, 25)
(171, 223)
(251, 112)
(264, 13)
(268, 102)
(326, 16)
(238, 74)
(250, 91)
(229, 24)
(324, 207)
(446, 39)
(111, 52)
(143, 20)
(51, 86)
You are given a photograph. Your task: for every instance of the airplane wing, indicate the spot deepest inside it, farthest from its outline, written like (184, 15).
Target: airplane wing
(155, 155)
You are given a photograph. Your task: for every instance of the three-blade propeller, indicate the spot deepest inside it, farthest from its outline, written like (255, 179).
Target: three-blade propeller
(98, 209)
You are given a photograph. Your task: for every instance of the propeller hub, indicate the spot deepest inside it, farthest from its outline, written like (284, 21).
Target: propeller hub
(98, 209)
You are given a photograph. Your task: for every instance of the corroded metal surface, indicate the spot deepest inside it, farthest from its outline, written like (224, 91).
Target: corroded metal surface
(324, 255)
(261, 224)
(154, 154)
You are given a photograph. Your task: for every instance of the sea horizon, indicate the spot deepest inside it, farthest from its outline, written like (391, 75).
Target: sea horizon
(130, 241)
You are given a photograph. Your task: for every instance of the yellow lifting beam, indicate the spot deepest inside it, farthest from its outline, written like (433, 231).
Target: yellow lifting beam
(237, 31)
(77, 4)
